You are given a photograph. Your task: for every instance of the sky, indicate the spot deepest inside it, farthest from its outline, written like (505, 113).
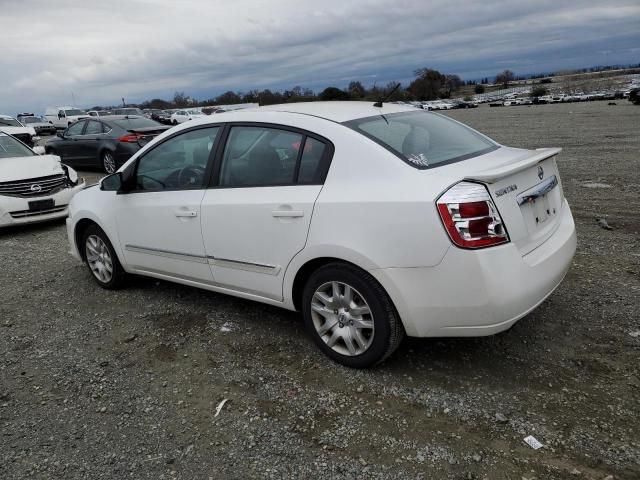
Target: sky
(95, 52)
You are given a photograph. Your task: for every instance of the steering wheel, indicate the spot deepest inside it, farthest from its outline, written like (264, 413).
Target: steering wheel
(186, 176)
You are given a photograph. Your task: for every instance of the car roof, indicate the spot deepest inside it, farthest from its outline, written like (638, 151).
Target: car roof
(7, 116)
(338, 111)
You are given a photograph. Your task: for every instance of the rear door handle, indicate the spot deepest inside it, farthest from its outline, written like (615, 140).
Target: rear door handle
(287, 213)
(186, 213)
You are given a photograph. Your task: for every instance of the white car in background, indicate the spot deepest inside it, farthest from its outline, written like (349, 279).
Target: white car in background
(62, 117)
(15, 128)
(375, 222)
(33, 188)
(182, 116)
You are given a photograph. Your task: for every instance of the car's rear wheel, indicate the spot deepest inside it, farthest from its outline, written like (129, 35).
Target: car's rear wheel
(101, 259)
(108, 162)
(175, 122)
(350, 316)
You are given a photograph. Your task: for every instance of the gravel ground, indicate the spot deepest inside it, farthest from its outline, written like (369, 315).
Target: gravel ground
(97, 384)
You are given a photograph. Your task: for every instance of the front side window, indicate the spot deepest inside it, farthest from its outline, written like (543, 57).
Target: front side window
(178, 163)
(10, 147)
(75, 129)
(423, 139)
(259, 156)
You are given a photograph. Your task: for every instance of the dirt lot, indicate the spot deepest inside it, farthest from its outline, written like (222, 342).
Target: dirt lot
(97, 384)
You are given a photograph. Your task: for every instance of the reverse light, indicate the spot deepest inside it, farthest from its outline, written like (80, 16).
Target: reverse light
(470, 216)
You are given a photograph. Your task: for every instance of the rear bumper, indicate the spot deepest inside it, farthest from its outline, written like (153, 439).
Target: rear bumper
(483, 292)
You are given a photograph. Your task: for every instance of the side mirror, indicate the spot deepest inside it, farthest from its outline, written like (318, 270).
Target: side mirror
(39, 149)
(111, 183)
(60, 134)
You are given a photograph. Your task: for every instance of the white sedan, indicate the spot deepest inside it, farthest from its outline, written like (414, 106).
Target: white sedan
(182, 116)
(33, 188)
(374, 222)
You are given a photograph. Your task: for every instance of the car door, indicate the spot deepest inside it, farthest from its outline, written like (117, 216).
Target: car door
(68, 147)
(159, 221)
(89, 143)
(257, 216)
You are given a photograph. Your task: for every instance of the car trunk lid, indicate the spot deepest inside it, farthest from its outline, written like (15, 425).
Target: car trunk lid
(525, 187)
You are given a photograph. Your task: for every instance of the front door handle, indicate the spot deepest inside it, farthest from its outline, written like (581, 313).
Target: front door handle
(287, 213)
(186, 213)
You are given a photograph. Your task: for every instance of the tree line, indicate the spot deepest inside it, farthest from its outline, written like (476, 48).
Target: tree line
(428, 84)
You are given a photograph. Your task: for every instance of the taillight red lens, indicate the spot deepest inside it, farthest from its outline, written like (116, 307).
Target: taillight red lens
(130, 138)
(473, 209)
(470, 216)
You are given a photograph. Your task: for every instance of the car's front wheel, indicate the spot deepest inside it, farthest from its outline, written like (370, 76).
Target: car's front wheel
(350, 316)
(108, 162)
(101, 259)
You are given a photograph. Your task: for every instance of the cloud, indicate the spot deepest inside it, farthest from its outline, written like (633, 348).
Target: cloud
(137, 49)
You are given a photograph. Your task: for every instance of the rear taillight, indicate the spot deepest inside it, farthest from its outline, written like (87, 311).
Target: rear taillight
(470, 216)
(130, 138)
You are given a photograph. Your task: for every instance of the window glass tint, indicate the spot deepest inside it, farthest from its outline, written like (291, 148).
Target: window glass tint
(178, 163)
(10, 147)
(136, 122)
(9, 122)
(311, 168)
(423, 139)
(259, 156)
(93, 128)
(75, 129)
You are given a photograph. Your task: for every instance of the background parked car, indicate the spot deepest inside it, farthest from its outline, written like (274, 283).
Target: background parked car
(105, 142)
(182, 116)
(33, 188)
(39, 124)
(13, 127)
(62, 117)
(128, 111)
(99, 113)
(164, 117)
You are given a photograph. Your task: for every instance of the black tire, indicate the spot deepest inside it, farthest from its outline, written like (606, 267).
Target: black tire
(388, 330)
(175, 122)
(118, 275)
(108, 162)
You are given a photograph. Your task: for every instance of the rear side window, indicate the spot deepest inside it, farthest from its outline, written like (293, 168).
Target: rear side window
(312, 164)
(423, 139)
(259, 156)
(93, 128)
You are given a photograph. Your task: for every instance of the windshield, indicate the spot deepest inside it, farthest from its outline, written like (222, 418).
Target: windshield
(423, 139)
(135, 122)
(9, 122)
(32, 120)
(10, 147)
(128, 111)
(74, 112)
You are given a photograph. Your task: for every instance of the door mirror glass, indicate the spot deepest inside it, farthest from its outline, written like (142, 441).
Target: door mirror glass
(111, 183)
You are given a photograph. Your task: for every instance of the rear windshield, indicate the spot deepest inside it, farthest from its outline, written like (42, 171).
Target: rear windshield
(136, 122)
(74, 112)
(423, 139)
(10, 147)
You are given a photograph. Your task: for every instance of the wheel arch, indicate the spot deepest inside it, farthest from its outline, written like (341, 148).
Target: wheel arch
(78, 231)
(306, 270)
